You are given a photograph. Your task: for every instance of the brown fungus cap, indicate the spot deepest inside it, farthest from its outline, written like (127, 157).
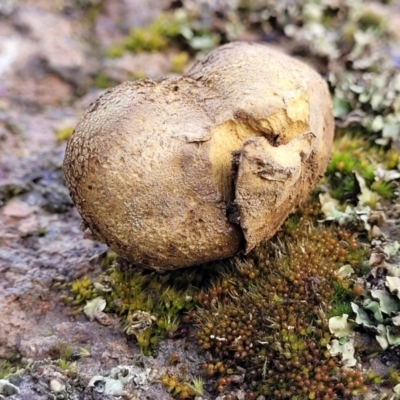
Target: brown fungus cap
(184, 171)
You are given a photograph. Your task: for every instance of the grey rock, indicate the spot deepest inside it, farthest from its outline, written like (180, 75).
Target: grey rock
(58, 46)
(149, 65)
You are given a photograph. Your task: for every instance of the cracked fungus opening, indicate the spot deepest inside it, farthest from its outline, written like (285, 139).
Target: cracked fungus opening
(185, 171)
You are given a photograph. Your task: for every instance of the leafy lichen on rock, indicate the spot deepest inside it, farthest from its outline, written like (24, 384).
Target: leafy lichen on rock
(189, 170)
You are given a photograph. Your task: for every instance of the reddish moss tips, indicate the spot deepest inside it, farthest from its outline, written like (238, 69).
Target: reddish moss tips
(268, 315)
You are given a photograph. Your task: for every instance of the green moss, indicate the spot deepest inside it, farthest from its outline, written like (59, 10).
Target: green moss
(151, 304)
(142, 39)
(344, 187)
(102, 81)
(369, 19)
(115, 51)
(61, 351)
(138, 75)
(384, 189)
(183, 30)
(10, 365)
(340, 300)
(70, 369)
(63, 364)
(391, 159)
(42, 230)
(90, 8)
(64, 133)
(393, 377)
(354, 155)
(268, 314)
(83, 290)
(342, 162)
(179, 388)
(154, 37)
(109, 260)
(348, 31)
(179, 61)
(6, 368)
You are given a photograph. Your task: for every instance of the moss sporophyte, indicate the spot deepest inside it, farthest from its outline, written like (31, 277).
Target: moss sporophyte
(264, 316)
(268, 315)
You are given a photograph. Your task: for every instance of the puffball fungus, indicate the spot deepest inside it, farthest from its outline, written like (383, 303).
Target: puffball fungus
(193, 169)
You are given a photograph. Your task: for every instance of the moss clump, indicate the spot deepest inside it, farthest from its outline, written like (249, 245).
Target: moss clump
(64, 133)
(154, 37)
(370, 20)
(384, 189)
(102, 81)
(82, 289)
(181, 389)
(10, 365)
(179, 61)
(353, 155)
(61, 350)
(115, 51)
(268, 315)
(340, 301)
(265, 316)
(5, 369)
(90, 8)
(151, 304)
(181, 29)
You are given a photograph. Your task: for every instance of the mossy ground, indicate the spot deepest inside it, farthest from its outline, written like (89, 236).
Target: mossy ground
(265, 314)
(269, 314)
